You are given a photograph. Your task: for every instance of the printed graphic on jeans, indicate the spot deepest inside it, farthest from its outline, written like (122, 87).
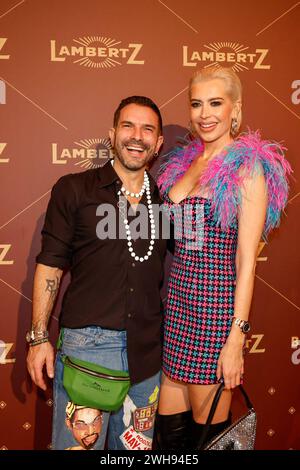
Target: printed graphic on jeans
(85, 424)
(143, 418)
(133, 440)
(154, 396)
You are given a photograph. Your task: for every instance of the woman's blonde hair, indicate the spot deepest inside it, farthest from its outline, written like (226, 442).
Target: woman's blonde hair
(232, 82)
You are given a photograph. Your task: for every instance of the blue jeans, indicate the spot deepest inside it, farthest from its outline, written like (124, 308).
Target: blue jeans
(82, 428)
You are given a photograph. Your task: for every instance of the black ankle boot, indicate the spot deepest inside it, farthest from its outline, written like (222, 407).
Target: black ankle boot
(171, 432)
(197, 430)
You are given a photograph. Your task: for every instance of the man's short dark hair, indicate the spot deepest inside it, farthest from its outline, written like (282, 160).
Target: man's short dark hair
(141, 101)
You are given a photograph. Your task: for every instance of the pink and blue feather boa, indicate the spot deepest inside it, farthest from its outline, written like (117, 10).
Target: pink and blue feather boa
(225, 173)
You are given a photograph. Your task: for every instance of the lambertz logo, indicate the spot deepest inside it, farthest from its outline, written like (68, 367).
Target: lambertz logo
(227, 54)
(261, 246)
(2, 92)
(4, 352)
(253, 344)
(295, 344)
(2, 42)
(97, 52)
(296, 94)
(89, 153)
(2, 147)
(4, 249)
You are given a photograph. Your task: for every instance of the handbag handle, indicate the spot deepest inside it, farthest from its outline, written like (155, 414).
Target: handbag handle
(213, 409)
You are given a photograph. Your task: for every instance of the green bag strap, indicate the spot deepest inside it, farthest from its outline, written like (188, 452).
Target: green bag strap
(60, 339)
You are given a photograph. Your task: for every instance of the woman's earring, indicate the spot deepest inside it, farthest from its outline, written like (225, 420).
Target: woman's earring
(234, 127)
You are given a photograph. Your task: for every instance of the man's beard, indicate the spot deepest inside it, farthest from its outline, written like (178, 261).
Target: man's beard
(137, 165)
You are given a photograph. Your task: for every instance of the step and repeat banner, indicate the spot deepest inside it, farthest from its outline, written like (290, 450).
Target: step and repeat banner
(64, 67)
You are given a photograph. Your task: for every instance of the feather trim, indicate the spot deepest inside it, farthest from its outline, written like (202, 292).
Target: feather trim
(247, 157)
(179, 160)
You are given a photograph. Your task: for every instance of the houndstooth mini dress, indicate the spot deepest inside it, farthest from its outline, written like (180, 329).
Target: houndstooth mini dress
(201, 288)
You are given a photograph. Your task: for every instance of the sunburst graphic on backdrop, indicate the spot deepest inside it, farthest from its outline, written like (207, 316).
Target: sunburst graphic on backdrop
(98, 144)
(97, 41)
(218, 46)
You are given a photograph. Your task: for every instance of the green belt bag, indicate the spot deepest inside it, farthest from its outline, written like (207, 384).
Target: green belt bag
(94, 386)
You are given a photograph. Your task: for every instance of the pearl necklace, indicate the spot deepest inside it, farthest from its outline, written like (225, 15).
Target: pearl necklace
(145, 187)
(136, 195)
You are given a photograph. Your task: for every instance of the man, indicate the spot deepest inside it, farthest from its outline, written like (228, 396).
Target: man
(111, 312)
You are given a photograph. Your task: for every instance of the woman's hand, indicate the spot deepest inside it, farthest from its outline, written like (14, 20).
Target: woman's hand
(231, 362)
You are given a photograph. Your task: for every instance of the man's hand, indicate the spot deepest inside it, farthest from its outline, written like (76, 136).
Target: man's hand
(37, 357)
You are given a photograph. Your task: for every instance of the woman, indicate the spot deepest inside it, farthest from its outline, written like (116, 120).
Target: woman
(237, 189)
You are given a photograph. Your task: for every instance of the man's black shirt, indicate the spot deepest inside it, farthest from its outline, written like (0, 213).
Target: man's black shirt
(108, 287)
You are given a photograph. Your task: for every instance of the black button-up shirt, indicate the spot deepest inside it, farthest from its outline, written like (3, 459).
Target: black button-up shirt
(108, 287)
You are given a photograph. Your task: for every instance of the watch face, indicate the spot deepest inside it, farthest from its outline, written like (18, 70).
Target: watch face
(246, 327)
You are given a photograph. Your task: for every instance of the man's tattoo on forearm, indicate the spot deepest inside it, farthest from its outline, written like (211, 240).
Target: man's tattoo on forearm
(44, 303)
(52, 286)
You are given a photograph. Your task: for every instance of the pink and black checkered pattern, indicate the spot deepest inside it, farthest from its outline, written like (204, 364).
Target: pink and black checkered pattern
(200, 294)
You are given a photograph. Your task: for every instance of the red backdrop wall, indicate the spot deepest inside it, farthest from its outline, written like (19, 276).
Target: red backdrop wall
(65, 65)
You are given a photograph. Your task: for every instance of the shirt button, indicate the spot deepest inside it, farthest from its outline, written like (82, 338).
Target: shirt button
(131, 289)
(129, 315)
(133, 265)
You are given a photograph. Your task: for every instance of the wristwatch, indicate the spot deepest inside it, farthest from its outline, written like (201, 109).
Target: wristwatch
(242, 324)
(33, 335)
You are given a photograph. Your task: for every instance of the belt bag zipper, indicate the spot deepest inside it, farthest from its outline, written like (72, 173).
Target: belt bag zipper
(94, 373)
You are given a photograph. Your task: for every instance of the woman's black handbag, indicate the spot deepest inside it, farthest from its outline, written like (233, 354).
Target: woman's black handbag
(238, 436)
